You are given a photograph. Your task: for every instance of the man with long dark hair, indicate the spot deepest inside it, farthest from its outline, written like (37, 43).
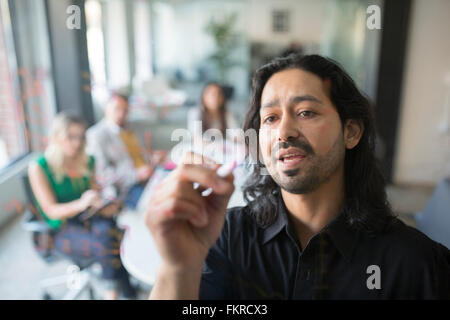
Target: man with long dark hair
(317, 224)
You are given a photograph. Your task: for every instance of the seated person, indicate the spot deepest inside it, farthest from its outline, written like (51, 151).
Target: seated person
(119, 158)
(213, 111)
(63, 184)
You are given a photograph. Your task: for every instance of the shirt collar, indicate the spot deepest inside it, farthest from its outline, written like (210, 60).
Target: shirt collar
(343, 237)
(281, 220)
(114, 127)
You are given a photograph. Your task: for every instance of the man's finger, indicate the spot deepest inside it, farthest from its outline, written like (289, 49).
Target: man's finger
(178, 209)
(207, 178)
(198, 159)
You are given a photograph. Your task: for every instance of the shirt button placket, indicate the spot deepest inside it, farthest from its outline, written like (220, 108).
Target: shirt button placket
(298, 278)
(308, 274)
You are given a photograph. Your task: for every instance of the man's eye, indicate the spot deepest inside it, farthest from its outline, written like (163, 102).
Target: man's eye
(306, 114)
(269, 119)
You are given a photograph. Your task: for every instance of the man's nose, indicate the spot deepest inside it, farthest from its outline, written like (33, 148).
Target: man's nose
(288, 128)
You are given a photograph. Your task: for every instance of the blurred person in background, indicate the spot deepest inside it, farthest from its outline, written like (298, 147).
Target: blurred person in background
(293, 48)
(63, 184)
(213, 112)
(214, 131)
(120, 160)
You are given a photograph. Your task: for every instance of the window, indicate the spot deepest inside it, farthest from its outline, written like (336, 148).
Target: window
(280, 21)
(96, 54)
(27, 103)
(13, 140)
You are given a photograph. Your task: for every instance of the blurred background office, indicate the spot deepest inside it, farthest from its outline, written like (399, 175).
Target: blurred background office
(164, 52)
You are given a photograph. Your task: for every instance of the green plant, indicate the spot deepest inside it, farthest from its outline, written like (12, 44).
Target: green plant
(226, 40)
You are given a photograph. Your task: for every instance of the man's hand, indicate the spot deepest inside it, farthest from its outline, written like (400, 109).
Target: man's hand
(185, 224)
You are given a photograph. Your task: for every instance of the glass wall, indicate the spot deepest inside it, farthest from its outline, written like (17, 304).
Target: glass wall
(27, 93)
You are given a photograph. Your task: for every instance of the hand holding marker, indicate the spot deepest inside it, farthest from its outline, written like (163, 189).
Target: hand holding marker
(222, 172)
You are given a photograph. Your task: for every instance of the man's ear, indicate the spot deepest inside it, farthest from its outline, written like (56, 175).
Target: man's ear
(353, 131)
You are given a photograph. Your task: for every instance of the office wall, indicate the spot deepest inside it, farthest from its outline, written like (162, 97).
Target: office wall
(179, 32)
(180, 37)
(423, 153)
(306, 20)
(116, 44)
(254, 23)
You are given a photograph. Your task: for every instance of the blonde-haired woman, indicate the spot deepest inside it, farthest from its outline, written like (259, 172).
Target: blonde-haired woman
(63, 184)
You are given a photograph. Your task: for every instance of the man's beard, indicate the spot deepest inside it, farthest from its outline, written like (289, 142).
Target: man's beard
(314, 170)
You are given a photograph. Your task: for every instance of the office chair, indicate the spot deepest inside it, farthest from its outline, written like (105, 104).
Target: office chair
(42, 238)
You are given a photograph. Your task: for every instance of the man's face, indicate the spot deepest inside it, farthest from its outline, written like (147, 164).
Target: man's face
(117, 111)
(301, 138)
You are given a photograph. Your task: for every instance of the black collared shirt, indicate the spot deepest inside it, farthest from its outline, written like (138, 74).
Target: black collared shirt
(249, 262)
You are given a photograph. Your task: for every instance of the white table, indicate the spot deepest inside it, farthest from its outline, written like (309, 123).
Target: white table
(138, 250)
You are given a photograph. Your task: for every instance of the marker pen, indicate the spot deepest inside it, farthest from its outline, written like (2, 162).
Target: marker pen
(223, 171)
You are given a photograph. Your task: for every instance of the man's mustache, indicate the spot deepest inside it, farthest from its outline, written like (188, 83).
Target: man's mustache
(299, 144)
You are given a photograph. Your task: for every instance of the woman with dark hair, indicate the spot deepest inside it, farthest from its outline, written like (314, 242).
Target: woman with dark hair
(213, 112)
(317, 224)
